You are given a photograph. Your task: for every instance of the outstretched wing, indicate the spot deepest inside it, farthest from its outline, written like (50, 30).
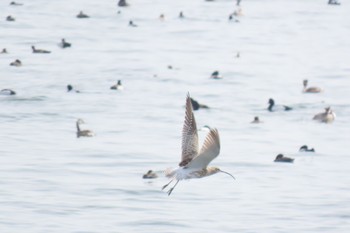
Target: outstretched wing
(210, 150)
(189, 135)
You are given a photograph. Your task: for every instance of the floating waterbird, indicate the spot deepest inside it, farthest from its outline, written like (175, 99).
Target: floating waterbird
(150, 175)
(4, 50)
(326, 117)
(256, 120)
(215, 75)
(272, 107)
(81, 15)
(194, 163)
(181, 15)
(10, 18)
(83, 133)
(71, 89)
(118, 86)
(7, 92)
(16, 63)
(333, 2)
(304, 148)
(161, 17)
(310, 89)
(122, 3)
(64, 44)
(15, 4)
(39, 50)
(131, 24)
(281, 158)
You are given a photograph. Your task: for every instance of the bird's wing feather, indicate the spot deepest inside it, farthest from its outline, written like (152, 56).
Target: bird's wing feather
(189, 135)
(210, 150)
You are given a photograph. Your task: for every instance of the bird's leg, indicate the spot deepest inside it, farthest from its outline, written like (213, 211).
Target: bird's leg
(167, 184)
(170, 190)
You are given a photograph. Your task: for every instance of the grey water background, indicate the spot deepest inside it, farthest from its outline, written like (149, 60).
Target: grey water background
(51, 181)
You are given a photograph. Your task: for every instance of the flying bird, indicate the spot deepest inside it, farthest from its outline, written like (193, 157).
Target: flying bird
(194, 163)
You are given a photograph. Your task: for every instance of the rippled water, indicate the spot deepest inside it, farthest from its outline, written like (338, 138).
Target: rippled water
(52, 181)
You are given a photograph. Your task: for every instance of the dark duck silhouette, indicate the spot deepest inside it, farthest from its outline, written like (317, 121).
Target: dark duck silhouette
(71, 89)
(16, 63)
(117, 86)
(305, 148)
(215, 75)
(273, 107)
(7, 92)
(10, 18)
(64, 44)
(122, 3)
(39, 50)
(283, 159)
(150, 175)
(256, 120)
(81, 15)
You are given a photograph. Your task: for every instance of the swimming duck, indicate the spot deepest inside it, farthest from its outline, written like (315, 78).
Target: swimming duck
(181, 15)
(81, 15)
(161, 17)
(310, 89)
(215, 75)
(150, 175)
(304, 148)
(16, 63)
(333, 2)
(256, 120)
(272, 107)
(122, 3)
(4, 50)
(281, 158)
(71, 89)
(64, 44)
(10, 18)
(131, 24)
(117, 86)
(326, 117)
(196, 105)
(7, 92)
(15, 4)
(39, 50)
(83, 133)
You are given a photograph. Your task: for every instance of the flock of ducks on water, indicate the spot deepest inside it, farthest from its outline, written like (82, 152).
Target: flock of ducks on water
(194, 162)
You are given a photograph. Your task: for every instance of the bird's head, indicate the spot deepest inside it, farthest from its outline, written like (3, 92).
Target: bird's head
(214, 170)
(80, 121)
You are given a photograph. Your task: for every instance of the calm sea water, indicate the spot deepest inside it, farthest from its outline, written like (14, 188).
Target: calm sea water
(51, 181)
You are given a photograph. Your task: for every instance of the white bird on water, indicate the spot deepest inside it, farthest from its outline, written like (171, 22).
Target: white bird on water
(194, 163)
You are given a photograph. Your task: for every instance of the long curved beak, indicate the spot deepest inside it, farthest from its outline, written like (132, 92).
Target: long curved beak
(228, 174)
